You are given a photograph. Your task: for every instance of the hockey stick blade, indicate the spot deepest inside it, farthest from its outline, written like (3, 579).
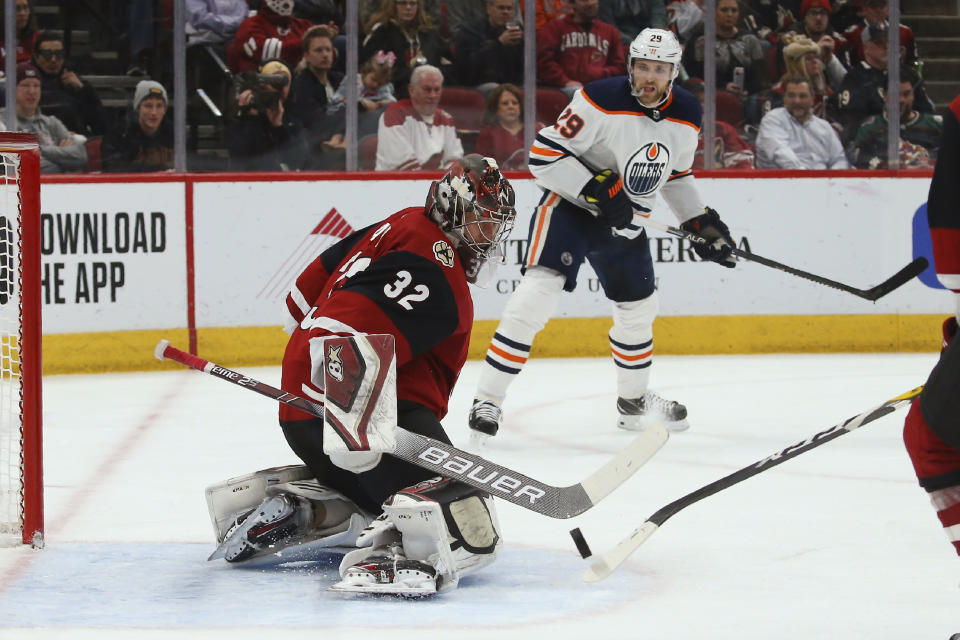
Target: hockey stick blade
(607, 563)
(451, 462)
(873, 294)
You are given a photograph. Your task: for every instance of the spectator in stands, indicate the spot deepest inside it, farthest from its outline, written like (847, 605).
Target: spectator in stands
(415, 133)
(802, 59)
(59, 152)
(791, 137)
(273, 33)
(860, 94)
(26, 31)
(919, 133)
(875, 12)
(432, 8)
(265, 135)
(683, 16)
(578, 48)
(490, 49)
(214, 21)
(502, 138)
(403, 27)
(730, 150)
(374, 91)
(311, 100)
(633, 16)
(815, 24)
(737, 49)
(65, 94)
(145, 143)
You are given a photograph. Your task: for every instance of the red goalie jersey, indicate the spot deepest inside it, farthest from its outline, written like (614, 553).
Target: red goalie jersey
(400, 276)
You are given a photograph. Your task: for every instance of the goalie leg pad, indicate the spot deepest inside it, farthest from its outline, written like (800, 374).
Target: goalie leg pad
(304, 515)
(441, 524)
(233, 499)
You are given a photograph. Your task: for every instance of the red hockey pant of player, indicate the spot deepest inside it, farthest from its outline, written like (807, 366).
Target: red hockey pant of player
(938, 469)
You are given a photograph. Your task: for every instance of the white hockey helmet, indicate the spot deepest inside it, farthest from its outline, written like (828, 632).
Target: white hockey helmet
(655, 44)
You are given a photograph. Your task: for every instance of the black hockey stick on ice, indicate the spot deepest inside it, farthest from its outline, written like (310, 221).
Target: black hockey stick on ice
(873, 294)
(451, 462)
(608, 562)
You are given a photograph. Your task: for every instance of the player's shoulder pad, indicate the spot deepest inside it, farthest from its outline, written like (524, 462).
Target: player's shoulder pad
(612, 95)
(684, 106)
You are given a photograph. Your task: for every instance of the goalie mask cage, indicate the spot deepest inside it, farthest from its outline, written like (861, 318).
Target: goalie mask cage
(21, 471)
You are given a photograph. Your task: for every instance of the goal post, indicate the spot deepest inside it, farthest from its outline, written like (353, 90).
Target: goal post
(21, 407)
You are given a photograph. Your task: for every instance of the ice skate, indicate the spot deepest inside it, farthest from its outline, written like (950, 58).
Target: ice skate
(277, 521)
(484, 421)
(638, 413)
(389, 571)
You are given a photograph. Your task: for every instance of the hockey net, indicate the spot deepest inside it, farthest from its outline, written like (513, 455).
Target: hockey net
(21, 475)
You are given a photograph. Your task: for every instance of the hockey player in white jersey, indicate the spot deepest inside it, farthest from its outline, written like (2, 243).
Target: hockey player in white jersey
(619, 142)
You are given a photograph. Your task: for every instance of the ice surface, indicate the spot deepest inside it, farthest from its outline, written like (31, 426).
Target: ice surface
(838, 543)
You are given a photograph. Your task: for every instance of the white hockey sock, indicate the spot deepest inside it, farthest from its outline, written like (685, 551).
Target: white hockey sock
(526, 313)
(631, 344)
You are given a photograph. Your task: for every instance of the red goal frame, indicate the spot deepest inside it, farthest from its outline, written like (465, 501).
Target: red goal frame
(30, 339)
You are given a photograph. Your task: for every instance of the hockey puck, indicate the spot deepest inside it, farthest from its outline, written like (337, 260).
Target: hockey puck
(581, 543)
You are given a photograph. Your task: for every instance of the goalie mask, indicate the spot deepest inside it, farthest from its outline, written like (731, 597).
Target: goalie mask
(280, 7)
(658, 45)
(474, 204)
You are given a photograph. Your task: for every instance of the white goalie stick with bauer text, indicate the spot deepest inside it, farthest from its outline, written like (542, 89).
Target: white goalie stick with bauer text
(451, 462)
(608, 562)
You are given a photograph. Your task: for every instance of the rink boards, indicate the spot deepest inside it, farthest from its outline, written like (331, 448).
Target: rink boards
(205, 260)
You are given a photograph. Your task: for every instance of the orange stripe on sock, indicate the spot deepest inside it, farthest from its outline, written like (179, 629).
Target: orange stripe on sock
(507, 356)
(632, 358)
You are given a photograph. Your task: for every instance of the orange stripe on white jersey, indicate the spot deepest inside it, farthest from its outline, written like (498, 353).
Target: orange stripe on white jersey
(542, 216)
(545, 152)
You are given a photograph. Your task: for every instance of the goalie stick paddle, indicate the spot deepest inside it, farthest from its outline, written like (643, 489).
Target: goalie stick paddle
(608, 562)
(451, 462)
(873, 294)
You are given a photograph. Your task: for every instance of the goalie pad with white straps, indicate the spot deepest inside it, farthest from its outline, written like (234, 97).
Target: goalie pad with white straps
(428, 537)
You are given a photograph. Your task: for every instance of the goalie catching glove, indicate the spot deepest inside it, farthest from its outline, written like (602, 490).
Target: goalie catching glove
(605, 190)
(719, 244)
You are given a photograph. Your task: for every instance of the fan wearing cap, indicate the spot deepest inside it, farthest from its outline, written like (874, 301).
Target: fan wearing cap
(861, 92)
(272, 33)
(265, 135)
(145, 143)
(875, 12)
(815, 25)
(59, 152)
(919, 133)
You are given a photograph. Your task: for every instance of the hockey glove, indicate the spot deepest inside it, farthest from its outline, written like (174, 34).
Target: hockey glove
(606, 191)
(711, 228)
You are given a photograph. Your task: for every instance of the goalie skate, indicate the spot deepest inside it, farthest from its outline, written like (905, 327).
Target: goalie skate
(639, 413)
(276, 520)
(389, 571)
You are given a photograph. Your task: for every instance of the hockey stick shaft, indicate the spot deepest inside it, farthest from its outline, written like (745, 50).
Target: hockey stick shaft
(895, 281)
(608, 562)
(451, 462)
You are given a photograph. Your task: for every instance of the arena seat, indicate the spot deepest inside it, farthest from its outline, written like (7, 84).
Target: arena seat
(465, 105)
(368, 152)
(550, 104)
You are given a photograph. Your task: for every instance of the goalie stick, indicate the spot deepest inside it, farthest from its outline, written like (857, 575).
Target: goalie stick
(608, 562)
(451, 462)
(873, 294)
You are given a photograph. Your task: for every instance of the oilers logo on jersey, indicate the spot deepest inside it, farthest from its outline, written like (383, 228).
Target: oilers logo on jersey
(645, 169)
